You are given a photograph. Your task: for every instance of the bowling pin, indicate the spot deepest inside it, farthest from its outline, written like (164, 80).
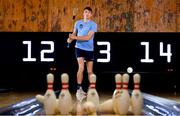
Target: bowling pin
(92, 94)
(65, 98)
(49, 97)
(89, 108)
(40, 98)
(79, 109)
(136, 97)
(106, 107)
(117, 92)
(124, 99)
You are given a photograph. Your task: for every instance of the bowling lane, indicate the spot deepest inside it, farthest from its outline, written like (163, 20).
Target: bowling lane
(153, 105)
(160, 106)
(12, 97)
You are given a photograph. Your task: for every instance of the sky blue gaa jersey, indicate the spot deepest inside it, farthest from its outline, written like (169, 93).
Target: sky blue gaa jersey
(82, 28)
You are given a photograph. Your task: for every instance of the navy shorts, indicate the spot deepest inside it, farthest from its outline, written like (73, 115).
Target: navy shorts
(87, 55)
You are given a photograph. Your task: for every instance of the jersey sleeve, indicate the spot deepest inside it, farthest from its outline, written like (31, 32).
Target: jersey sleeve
(93, 27)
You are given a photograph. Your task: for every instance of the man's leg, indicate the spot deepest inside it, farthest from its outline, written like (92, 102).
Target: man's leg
(80, 71)
(80, 94)
(89, 65)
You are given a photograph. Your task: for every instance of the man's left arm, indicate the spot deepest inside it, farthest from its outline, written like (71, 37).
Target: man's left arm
(87, 37)
(82, 38)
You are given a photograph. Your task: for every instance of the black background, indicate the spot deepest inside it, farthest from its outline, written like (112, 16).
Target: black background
(125, 51)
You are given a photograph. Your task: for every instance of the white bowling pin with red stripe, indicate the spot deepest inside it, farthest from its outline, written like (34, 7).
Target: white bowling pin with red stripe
(117, 92)
(106, 107)
(50, 97)
(124, 99)
(92, 94)
(136, 97)
(65, 98)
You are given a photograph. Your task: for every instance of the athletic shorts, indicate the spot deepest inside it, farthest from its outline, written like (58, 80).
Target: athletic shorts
(87, 55)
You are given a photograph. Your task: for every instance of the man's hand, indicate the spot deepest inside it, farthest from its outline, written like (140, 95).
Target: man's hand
(72, 36)
(69, 40)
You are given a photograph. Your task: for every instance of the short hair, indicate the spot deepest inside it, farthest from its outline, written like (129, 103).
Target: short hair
(88, 8)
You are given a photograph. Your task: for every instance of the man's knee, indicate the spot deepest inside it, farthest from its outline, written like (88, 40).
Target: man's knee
(81, 69)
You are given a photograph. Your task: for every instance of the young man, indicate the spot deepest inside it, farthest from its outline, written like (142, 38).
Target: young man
(84, 48)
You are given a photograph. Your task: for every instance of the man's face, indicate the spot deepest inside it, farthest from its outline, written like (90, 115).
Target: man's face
(87, 14)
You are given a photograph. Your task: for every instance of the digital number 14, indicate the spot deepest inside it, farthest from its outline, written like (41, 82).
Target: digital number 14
(168, 53)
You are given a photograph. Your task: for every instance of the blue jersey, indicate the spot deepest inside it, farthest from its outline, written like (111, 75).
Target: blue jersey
(82, 29)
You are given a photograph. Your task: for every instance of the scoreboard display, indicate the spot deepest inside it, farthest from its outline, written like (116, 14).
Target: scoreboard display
(28, 54)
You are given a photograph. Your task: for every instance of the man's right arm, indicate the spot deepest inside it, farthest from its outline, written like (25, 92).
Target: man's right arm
(69, 40)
